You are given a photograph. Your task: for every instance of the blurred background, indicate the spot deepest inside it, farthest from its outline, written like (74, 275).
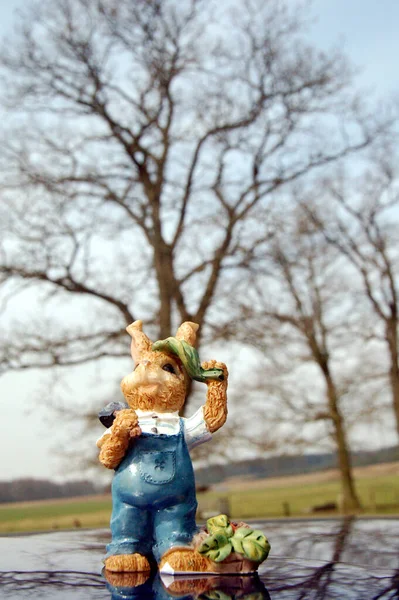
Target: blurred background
(234, 164)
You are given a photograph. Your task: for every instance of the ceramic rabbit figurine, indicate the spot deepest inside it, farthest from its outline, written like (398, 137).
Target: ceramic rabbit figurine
(148, 444)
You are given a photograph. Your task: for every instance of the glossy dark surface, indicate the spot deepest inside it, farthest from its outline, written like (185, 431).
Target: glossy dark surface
(309, 560)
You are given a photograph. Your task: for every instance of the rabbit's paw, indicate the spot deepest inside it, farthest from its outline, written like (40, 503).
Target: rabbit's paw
(115, 444)
(126, 424)
(214, 364)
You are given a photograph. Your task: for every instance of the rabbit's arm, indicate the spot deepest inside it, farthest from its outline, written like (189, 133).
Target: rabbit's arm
(215, 409)
(115, 443)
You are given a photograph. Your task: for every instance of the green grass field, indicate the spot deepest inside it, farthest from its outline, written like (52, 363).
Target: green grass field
(66, 514)
(379, 495)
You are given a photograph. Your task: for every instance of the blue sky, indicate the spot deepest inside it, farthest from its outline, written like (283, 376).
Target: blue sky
(368, 31)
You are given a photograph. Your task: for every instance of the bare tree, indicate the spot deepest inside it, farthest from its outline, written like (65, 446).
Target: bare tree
(362, 224)
(141, 146)
(298, 317)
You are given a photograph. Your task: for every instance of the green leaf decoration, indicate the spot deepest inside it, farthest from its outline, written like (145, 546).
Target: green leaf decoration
(237, 545)
(251, 543)
(190, 359)
(220, 554)
(253, 551)
(229, 531)
(216, 595)
(213, 542)
(242, 532)
(216, 547)
(260, 538)
(219, 522)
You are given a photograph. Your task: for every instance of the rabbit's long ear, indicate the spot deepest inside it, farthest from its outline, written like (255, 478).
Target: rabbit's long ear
(187, 332)
(140, 342)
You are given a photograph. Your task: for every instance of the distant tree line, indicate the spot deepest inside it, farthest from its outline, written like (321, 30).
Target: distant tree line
(286, 465)
(41, 489)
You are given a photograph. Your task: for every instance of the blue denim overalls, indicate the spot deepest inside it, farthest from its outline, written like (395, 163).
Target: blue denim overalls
(153, 495)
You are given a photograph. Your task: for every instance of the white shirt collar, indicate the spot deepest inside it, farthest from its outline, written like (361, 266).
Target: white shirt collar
(152, 413)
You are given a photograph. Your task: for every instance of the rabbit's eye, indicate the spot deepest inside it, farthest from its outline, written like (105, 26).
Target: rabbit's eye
(170, 368)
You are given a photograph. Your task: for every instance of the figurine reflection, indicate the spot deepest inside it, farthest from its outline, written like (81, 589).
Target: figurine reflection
(140, 586)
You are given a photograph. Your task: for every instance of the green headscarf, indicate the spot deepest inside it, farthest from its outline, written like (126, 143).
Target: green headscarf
(189, 357)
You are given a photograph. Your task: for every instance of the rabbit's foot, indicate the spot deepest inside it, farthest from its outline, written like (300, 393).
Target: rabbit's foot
(127, 563)
(184, 560)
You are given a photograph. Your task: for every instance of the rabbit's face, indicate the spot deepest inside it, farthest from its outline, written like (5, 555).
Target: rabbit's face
(157, 383)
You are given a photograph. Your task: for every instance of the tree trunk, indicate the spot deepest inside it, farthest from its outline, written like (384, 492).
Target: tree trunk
(392, 340)
(164, 270)
(350, 501)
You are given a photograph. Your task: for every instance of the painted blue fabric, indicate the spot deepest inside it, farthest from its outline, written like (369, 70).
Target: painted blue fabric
(153, 497)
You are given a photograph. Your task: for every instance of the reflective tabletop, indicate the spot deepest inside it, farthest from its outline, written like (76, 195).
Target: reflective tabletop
(310, 559)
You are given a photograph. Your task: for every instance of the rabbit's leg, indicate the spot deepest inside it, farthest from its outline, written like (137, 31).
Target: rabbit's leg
(175, 526)
(174, 529)
(131, 529)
